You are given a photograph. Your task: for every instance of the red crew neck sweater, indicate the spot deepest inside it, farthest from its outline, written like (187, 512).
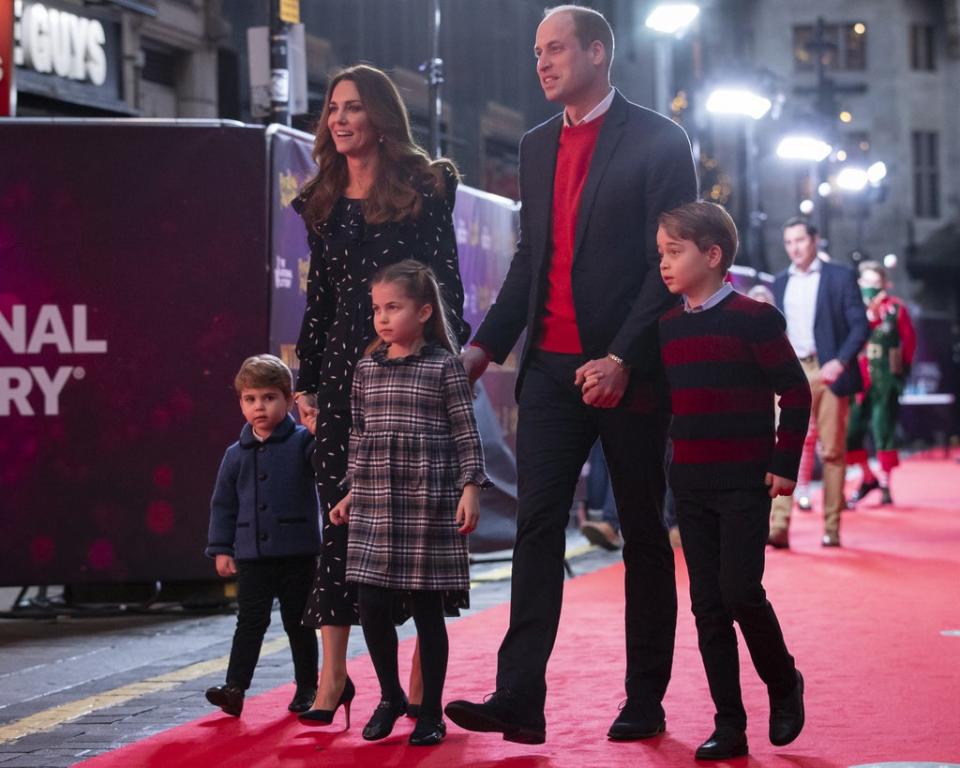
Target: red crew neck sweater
(558, 326)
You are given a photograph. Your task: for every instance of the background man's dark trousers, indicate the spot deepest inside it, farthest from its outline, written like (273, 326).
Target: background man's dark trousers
(554, 435)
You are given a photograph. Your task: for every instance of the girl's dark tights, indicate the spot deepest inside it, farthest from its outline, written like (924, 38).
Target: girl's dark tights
(376, 618)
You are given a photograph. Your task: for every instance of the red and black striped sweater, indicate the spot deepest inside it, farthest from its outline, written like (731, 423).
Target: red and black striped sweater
(723, 366)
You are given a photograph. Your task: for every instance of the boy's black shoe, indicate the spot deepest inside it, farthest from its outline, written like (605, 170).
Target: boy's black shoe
(500, 713)
(786, 715)
(428, 732)
(303, 699)
(228, 697)
(723, 744)
(634, 723)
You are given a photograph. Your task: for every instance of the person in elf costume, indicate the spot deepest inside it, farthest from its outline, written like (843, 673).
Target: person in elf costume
(884, 364)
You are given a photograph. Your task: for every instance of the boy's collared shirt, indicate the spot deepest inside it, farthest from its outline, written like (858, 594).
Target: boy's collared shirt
(710, 303)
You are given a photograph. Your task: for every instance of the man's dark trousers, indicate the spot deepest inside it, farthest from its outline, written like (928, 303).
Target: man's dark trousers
(554, 435)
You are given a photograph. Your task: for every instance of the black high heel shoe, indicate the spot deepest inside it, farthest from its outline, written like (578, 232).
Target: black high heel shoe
(325, 716)
(384, 717)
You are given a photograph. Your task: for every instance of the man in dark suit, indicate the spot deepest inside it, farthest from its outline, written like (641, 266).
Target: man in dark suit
(827, 326)
(584, 285)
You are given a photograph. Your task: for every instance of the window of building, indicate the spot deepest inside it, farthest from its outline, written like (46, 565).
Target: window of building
(923, 47)
(846, 46)
(926, 174)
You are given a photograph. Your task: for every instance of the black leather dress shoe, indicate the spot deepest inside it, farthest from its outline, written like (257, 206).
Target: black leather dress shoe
(500, 713)
(723, 744)
(302, 700)
(428, 731)
(634, 722)
(786, 715)
(384, 717)
(228, 697)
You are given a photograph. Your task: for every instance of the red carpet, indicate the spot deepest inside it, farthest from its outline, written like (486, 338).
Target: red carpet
(864, 622)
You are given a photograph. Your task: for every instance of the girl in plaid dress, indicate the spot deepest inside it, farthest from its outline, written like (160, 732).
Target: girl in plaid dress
(415, 472)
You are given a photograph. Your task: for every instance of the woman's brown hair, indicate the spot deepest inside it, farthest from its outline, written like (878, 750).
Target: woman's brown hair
(421, 286)
(404, 172)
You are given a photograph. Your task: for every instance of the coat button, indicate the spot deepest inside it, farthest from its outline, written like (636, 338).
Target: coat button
(262, 448)
(262, 476)
(261, 507)
(264, 537)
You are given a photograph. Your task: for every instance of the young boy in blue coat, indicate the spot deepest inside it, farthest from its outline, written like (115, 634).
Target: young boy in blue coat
(265, 530)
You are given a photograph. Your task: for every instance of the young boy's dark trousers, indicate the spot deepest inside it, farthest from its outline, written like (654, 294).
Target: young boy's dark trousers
(258, 581)
(724, 535)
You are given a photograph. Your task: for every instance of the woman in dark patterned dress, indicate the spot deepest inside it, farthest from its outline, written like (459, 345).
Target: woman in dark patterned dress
(376, 199)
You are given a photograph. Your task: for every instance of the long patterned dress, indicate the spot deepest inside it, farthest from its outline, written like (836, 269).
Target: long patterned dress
(345, 253)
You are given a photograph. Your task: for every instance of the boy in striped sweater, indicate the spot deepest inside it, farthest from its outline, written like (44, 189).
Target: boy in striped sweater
(725, 357)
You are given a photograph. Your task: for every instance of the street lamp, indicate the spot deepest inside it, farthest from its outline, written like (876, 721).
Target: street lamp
(852, 179)
(738, 101)
(672, 18)
(669, 20)
(808, 148)
(744, 102)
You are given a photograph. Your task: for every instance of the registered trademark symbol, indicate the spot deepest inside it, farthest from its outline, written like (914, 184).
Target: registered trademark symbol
(79, 373)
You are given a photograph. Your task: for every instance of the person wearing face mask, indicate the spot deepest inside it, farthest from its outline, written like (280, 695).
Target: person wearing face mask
(376, 199)
(884, 365)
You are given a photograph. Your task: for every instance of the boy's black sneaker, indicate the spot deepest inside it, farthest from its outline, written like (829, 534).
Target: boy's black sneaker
(228, 697)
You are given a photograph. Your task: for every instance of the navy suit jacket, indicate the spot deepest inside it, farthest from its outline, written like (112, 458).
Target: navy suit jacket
(840, 326)
(642, 166)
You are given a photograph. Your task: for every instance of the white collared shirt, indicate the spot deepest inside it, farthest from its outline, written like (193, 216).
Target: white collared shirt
(593, 114)
(800, 307)
(710, 303)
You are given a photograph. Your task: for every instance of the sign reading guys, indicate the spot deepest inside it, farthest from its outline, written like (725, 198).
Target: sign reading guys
(26, 335)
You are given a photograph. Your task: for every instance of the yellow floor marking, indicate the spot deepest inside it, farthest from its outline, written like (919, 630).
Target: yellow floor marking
(51, 718)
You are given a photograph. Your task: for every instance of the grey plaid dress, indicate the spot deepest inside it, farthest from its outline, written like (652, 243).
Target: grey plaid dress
(413, 447)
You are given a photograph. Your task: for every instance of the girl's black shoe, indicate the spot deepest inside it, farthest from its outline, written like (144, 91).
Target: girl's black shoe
(325, 716)
(384, 716)
(429, 731)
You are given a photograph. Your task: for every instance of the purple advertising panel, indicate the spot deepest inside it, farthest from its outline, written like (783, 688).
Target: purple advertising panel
(487, 229)
(290, 167)
(132, 286)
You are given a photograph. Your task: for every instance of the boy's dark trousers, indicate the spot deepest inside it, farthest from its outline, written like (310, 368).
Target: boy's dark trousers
(724, 535)
(258, 582)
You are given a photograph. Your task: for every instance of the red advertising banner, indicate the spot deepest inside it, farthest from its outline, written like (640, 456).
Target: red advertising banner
(7, 67)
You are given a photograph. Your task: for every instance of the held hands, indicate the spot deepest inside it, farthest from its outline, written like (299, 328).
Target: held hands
(602, 382)
(307, 408)
(779, 486)
(831, 370)
(340, 514)
(468, 510)
(475, 362)
(226, 566)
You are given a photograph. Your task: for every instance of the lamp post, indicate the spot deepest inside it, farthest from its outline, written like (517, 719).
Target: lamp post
(865, 184)
(745, 103)
(669, 21)
(433, 72)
